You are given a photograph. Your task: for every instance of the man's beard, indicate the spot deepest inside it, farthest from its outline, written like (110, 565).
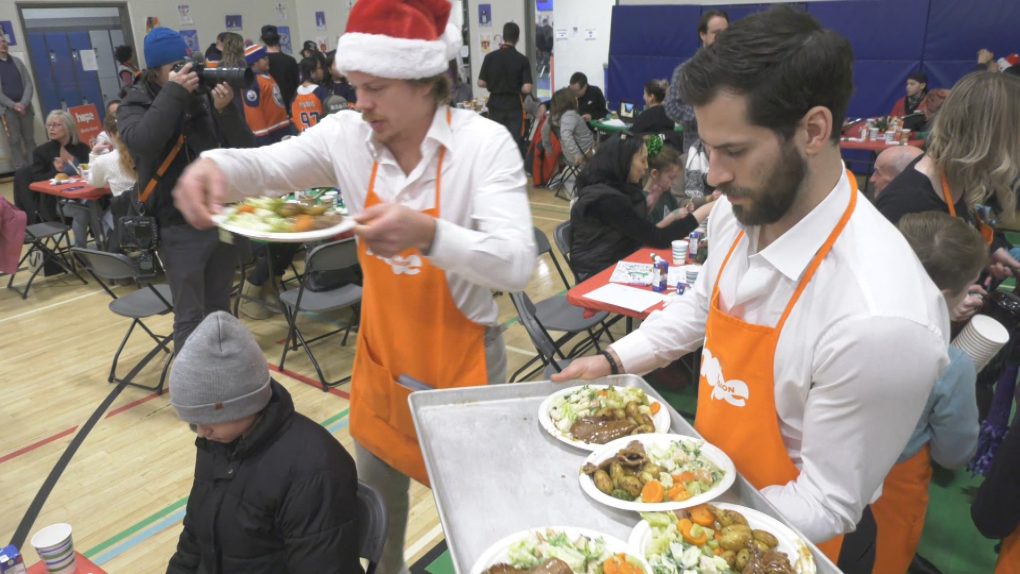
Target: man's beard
(770, 202)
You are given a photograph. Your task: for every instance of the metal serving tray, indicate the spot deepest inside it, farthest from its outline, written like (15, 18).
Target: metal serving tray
(495, 471)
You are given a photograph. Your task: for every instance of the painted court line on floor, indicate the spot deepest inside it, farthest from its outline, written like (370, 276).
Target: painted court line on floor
(422, 542)
(303, 379)
(533, 216)
(51, 306)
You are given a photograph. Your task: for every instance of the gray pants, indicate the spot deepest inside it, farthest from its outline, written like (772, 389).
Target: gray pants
(395, 486)
(200, 271)
(21, 135)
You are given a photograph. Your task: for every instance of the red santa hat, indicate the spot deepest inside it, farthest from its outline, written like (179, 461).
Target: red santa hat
(400, 39)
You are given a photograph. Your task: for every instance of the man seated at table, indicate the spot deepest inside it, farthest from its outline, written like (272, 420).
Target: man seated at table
(823, 334)
(53, 157)
(591, 103)
(917, 88)
(891, 163)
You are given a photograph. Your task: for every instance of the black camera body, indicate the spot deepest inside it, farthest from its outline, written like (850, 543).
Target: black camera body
(139, 233)
(210, 77)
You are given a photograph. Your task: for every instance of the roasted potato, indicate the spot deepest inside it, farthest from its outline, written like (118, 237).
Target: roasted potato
(761, 546)
(288, 210)
(632, 410)
(729, 556)
(766, 537)
(743, 557)
(737, 528)
(604, 413)
(644, 429)
(646, 477)
(616, 472)
(652, 469)
(726, 517)
(735, 539)
(603, 482)
(619, 414)
(631, 485)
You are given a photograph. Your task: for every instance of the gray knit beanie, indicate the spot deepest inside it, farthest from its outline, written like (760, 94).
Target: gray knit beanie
(220, 375)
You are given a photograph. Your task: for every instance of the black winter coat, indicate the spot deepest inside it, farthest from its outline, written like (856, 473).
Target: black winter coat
(281, 500)
(150, 119)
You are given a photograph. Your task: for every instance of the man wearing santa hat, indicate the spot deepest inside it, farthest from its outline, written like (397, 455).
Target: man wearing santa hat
(440, 198)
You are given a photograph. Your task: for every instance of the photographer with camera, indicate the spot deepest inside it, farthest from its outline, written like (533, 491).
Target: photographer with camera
(166, 120)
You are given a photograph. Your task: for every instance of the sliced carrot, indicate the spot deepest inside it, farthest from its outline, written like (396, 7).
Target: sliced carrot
(701, 516)
(303, 223)
(619, 565)
(686, 526)
(245, 209)
(718, 551)
(718, 536)
(683, 496)
(676, 492)
(686, 477)
(602, 394)
(653, 492)
(656, 407)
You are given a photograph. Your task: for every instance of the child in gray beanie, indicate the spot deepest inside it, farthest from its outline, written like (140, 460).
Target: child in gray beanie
(274, 491)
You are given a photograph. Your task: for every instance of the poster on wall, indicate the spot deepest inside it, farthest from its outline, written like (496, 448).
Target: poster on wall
(285, 39)
(574, 31)
(7, 29)
(89, 62)
(234, 23)
(281, 13)
(87, 119)
(184, 11)
(543, 5)
(150, 23)
(191, 39)
(561, 33)
(320, 20)
(322, 43)
(589, 34)
(485, 15)
(486, 41)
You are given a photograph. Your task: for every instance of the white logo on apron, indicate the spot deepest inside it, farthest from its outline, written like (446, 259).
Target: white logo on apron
(401, 265)
(733, 392)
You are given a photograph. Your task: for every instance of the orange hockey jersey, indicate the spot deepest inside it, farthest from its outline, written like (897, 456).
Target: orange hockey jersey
(263, 106)
(308, 107)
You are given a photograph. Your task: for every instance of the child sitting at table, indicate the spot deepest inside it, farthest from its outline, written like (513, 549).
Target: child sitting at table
(954, 254)
(663, 171)
(273, 491)
(110, 164)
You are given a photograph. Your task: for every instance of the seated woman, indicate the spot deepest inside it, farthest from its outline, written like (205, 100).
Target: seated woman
(654, 119)
(49, 159)
(575, 138)
(609, 219)
(663, 171)
(110, 165)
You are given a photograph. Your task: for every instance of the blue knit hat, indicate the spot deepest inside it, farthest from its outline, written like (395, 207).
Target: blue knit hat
(164, 46)
(254, 53)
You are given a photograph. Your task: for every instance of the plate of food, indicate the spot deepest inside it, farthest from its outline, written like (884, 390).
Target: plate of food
(63, 178)
(560, 550)
(657, 473)
(590, 416)
(720, 539)
(273, 219)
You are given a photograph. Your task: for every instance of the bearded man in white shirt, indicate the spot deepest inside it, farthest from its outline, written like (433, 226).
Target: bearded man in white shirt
(823, 334)
(440, 198)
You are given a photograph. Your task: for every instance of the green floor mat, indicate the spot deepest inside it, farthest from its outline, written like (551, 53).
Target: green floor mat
(950, 540)
(437, 561)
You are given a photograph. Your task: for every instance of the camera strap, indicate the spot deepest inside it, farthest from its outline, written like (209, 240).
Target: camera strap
(162, 170)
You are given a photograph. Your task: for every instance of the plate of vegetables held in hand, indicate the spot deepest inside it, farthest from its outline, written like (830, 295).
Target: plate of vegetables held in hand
(560, 550)
(657, 473)
(279, 221)
(720, 539)
(591, 416)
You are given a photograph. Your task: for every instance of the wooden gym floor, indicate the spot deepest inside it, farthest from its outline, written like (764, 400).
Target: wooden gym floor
(125, 489)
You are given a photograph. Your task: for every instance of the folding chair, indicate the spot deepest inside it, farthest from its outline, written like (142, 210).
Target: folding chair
(245, 260)
(564, 242)
(566, 172)
(374, 524)
(540, 338)
(329, 257)
(45, 239)
(149, 301)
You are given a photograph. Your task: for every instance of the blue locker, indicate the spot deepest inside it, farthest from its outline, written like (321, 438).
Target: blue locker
(45, 80)
(88, 81)
(63, 69)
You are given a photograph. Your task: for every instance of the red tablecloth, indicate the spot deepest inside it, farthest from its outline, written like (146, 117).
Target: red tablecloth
(76, 188)
(875, 146)
(84, 566)
(576, 295)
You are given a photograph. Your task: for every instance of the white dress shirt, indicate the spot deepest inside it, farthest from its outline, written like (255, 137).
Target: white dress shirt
(484, 237)
(854, 364)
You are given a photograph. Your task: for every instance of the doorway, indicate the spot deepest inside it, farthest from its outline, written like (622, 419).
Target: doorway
(542, 45)
(71, 51)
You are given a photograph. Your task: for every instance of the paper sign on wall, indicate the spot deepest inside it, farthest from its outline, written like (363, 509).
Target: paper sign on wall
(285, 39)
(191, 39)
(486, 41)
(7, 30)
(88, 60)
(589, 34)
(185, 12)
(281, 13)
(322, 43)
(574, 31)
(87, 119)
(561, 33)
(320, 20)
(234, 22)
(485, 15)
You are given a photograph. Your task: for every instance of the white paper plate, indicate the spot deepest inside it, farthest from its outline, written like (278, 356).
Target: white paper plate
(344, 226)
(610, 450)
(661, 419)
(789, 543)
(74, 179)
(499, 552)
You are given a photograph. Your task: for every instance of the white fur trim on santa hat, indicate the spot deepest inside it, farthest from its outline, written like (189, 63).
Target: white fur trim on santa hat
(389, 57)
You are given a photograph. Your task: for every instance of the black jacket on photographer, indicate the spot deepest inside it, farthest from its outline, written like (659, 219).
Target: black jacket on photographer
(152, 117)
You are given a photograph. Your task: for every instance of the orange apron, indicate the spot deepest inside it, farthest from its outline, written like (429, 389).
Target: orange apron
(1009, 555)
(986, 230)
(410, 325)
(900, 513)
(736, 392)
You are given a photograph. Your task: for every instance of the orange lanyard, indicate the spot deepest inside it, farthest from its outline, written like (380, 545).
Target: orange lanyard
(987, 232)
(949, 196)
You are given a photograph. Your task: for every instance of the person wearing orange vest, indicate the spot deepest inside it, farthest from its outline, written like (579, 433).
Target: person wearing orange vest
(309, 104)
(440, 198)
(823, 335)
(263, 103)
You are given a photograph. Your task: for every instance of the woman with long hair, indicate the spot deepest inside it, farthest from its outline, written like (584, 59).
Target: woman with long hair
(564, 121)
(49, 159)
(609, 220)
(233, 51)
(112, 166)
(973, 161)
(663, 170)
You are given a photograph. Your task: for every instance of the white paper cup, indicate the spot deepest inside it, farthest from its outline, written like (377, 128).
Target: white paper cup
(56, 548)
(981, 340)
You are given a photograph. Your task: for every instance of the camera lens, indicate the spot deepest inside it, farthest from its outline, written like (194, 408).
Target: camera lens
(235, 77)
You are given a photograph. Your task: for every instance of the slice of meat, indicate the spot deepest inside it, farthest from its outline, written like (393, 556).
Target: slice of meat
(634, 456)
(597, 431)
(504, 569)
(554, 566)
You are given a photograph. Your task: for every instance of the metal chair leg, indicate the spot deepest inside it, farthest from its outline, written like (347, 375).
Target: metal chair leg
(116, 356)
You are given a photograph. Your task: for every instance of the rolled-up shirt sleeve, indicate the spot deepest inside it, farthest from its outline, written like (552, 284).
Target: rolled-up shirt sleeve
(864, 403)
(498, 251)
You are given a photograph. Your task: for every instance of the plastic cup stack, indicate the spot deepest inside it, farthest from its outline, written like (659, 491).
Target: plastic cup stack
(56, 548)
(680, 251)
(981, 339)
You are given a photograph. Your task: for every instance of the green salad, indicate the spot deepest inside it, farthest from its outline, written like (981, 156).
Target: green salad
(583, 555)
(588, 402)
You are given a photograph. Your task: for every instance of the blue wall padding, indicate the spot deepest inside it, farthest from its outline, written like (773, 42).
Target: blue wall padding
(957, 29)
